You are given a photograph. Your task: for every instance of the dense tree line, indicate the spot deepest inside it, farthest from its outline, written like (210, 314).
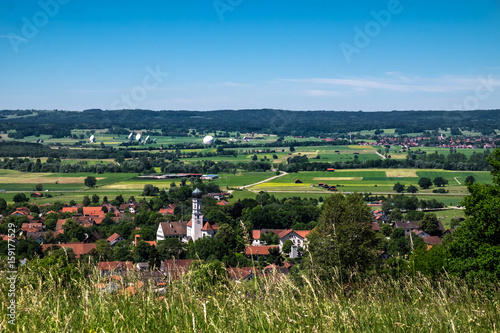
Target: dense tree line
(304, 123)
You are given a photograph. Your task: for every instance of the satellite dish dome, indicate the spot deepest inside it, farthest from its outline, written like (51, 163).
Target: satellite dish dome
(138, 136)
(208, 140)
(92, 138)
(197, 193)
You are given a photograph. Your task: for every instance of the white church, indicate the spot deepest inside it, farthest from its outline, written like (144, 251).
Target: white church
(196, 228)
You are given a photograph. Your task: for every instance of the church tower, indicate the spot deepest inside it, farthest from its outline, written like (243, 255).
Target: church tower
(196, 217)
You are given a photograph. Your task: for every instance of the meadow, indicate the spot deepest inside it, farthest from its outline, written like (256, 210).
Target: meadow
(288, 304)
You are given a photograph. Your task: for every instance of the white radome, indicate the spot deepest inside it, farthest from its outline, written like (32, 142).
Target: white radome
(208, 140)
(138, 137)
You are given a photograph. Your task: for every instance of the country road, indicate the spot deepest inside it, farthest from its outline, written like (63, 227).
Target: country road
(263, 181)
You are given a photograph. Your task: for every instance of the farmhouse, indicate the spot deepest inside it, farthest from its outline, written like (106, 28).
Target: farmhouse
(298, 237)
(170, 230)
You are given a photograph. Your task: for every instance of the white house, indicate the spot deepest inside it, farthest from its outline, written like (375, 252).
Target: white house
(298, 237)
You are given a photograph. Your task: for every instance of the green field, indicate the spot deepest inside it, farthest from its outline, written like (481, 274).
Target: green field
(374, 181)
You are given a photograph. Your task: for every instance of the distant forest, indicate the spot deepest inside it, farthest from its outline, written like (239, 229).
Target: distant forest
(281, 122)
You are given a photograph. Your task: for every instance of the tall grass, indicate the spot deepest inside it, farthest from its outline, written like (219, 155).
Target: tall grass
(412, 304)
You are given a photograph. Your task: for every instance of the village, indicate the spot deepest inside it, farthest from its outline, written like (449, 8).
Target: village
(266, 251)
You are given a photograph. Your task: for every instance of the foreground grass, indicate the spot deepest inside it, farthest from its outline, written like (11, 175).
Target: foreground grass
(265, 305)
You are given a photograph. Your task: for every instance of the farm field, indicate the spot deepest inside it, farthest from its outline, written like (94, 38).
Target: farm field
(374, 181)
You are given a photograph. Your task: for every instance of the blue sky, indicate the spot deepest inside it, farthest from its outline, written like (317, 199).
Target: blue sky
(235, 54)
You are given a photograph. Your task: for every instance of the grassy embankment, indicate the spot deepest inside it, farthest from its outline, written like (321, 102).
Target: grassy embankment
(378, 305)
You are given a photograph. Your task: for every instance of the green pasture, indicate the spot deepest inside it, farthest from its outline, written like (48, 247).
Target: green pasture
(372, 180)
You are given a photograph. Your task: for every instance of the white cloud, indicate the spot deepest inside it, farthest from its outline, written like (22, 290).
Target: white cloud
(394, 81)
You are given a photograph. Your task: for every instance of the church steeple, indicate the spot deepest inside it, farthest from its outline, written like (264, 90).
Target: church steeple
(197, 217)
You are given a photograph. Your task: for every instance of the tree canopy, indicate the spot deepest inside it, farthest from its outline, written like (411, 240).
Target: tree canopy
(343, 240)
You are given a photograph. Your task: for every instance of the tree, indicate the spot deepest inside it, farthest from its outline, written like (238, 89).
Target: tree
(287, 246)
(398, 187)
(171, 248)
(343, 240)
(270, 238)
(440, 181)
(3, 205)
(412, 189)
(208, 275)
(104, 250)
(20, 198)
(292, 149)
(470, 180)
(424, 182)
(39, 187)
(430, 224)
(150, 190)
(414, 215)
(95, 199)
(275, 256)
(90, 181)
(154, 260)
(141, 252)
(396, 215)
(474, 251)
(86, 201)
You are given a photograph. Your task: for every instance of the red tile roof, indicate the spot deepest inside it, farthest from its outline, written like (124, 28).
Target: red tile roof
(112, 265)
(432, 240)
(236, 273)
(256, 234)
(223, 203)
(301, 233)
(70, 209)
(259, 250)
(113, 237)
(79, 248)
(93, 211)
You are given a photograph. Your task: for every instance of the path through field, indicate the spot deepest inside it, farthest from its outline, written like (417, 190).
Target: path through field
(379, 154)
(263, 181)
(459, 183)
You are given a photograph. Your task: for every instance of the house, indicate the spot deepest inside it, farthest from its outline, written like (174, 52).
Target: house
(407, 226)
(298, 237)
(255, 237)
(432, 240)
(115, 238)
(421, 233)
(9, 239)
(169, 210)
(79, 248)
(257, 233)
(223, 203)
(115, 267)
(298, 181)
(142, 266)
(171, 229)
(129, 207)
(37, 236)
(240, 274)
(285, 269)
(175, 269)
(93, 211)
(93, 237)
(330, 169)
(70, 209)
(375, 226)
(59, 224)
(258, 251)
